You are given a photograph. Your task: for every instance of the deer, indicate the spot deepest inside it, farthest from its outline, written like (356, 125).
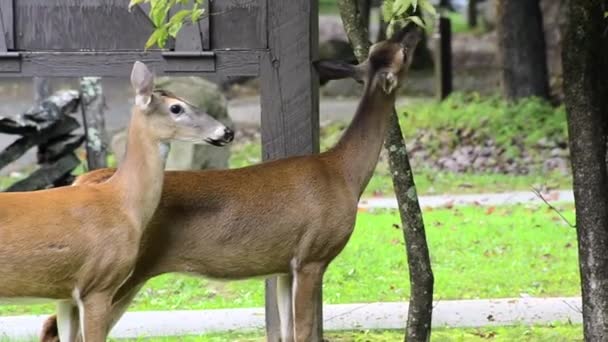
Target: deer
(289, 217)
(77, 245)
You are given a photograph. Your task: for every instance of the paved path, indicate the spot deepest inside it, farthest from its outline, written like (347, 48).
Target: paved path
(507, 198)
(455, 313)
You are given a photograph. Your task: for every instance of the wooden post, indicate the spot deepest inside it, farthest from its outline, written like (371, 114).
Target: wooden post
(290, 102)
(443, 58)
(92, 105)
(472, 13)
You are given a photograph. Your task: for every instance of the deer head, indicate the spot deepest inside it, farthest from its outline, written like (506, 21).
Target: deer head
(170, 117)
(386, 65)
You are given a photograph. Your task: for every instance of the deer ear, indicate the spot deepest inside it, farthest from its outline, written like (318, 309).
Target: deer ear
(142, 81)
(335, 70)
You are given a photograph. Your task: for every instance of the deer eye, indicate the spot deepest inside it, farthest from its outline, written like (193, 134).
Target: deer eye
(176, 109)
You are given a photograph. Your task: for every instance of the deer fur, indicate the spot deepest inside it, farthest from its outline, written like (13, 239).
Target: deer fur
(291, 216)
(77, 245)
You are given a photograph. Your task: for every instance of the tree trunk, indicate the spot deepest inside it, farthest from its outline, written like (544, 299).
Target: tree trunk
(421, 275)
(521, 49)
(92, 105)
(585, 66)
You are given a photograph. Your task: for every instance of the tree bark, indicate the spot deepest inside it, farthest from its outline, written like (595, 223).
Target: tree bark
(521, 49)
(585, 66)
(92, 105)
(421, 275)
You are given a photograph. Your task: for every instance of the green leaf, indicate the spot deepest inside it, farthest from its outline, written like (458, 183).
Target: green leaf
(400, 6)
(155, 38)
(180, 16)
(174, 29)
(416, 20)
(605, 14)
(197, 14)
(387, 10)
(428, 7)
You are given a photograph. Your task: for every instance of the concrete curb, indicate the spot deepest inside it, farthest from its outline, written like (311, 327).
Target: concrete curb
(453, 313)
(507, 198)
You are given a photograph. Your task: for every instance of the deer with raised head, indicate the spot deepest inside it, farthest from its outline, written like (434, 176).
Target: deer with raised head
(77, 245)
(289, 217)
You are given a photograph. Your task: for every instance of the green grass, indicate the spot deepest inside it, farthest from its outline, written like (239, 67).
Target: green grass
(476, 253)
(328, 7)
(529, 120)
(522, 333)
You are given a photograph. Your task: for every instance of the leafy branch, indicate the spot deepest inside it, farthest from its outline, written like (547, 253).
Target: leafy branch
(166, 25)
(395, 11)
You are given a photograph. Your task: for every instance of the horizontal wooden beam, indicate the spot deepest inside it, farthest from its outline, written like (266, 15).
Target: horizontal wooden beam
(218, 63)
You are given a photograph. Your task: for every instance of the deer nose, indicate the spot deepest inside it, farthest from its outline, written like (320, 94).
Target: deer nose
(228, 134)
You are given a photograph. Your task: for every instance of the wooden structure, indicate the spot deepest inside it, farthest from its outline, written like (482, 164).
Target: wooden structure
(49, 126)
(274, 40)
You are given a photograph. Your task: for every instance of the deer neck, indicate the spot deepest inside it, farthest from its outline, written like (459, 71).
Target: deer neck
(140, 174)
(358, 150)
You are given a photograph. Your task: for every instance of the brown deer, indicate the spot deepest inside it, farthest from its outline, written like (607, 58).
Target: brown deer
(290, 217)
(77, 245)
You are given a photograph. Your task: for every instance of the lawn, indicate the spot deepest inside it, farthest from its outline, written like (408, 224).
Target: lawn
(559, 333)
(477, 252)
(522, 333)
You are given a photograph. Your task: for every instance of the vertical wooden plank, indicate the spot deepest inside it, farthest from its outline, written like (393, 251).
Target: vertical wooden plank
(290, 102)
(204, 28)
(443, 58)
(189, 37)
(7, 17)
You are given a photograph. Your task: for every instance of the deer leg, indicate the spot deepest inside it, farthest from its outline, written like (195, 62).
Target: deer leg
(49, 331)
(284, 301)
(94, 312)
(67, 323)
(307, 316)
(122, 300)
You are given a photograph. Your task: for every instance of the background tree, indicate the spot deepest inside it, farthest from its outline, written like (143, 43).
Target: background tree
(421, 275)
(521, 49)
(585, 67)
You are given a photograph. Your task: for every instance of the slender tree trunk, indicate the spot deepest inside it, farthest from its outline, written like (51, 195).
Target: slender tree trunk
(585, 65)
(421, 274)
(521, 49)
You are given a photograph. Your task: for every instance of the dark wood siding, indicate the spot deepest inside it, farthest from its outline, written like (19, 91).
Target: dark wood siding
(238, 24)
(75, 25)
